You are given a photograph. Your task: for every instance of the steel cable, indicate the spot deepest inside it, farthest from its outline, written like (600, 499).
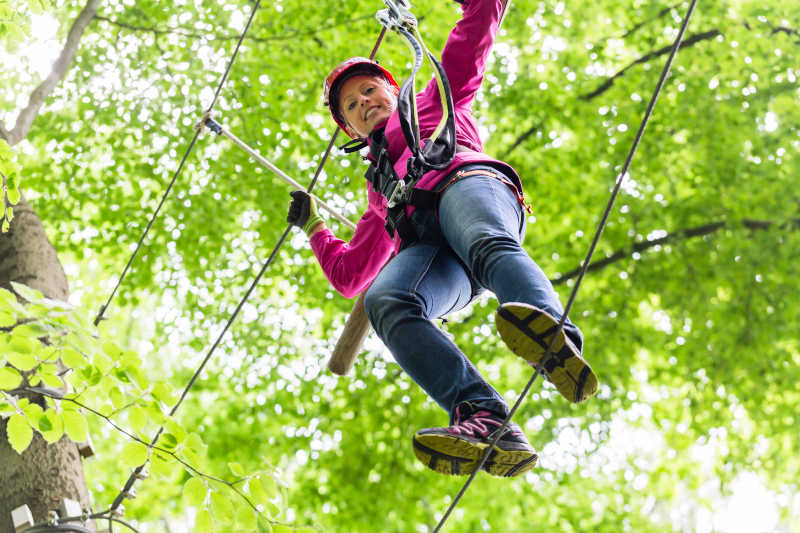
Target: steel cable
(222, 80)
(584, 265)
(134, 476)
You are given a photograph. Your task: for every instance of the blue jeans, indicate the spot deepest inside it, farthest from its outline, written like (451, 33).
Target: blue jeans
(483, 225)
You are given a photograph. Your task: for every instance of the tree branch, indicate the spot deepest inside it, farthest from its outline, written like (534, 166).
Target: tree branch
(60, 67)
(56, 395)
(284, 36)
(522, 138)
(643, 23)
(689, 41)
(698, 231)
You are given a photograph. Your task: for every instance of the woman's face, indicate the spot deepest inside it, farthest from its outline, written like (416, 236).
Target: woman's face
(366, 102)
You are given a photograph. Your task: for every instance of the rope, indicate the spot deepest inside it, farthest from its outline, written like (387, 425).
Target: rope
(135, 475)
(584, 266)
(222, 80)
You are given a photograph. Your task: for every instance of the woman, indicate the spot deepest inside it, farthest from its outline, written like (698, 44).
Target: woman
(442, 254)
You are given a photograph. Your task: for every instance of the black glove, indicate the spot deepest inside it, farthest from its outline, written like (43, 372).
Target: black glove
(303, 211)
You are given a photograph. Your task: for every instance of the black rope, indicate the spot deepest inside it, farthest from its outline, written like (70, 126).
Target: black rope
(222, 80)
(584, 265)
(135, 474)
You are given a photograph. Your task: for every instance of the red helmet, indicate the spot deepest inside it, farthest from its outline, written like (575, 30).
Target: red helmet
(347, 69)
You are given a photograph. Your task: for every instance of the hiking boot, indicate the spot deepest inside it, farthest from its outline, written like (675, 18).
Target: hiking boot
(527, 331)
(457, 450)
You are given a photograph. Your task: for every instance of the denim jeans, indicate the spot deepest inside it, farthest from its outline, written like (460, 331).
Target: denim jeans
(483, 225)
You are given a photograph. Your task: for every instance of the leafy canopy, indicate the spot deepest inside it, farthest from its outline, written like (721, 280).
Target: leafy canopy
(689, 315)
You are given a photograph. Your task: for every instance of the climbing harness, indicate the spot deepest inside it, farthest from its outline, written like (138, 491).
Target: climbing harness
(434, 153)
(548, 354)
(438, 151)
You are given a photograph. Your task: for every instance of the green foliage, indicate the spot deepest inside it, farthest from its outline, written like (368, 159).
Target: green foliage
(45, 340)
(9, 171)
(694, 338)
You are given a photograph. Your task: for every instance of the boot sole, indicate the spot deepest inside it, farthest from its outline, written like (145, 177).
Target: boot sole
(528, 331)
(456, 456)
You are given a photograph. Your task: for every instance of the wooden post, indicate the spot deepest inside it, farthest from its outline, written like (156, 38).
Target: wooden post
(349, 344)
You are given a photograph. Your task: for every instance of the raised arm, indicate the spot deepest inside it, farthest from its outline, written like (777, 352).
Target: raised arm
(468, 47)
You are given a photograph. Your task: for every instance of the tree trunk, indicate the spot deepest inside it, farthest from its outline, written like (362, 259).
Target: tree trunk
(44, 474)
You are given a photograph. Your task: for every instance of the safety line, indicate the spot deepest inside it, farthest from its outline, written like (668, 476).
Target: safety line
(135, 475)
(584, 266)
(222, 80)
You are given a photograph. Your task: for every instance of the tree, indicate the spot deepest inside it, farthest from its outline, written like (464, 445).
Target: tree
(27, 257)
(689, 312)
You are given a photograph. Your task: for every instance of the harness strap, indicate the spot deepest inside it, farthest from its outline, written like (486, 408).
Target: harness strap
(485, 172)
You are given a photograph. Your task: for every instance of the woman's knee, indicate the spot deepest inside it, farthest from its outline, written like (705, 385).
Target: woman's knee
(385, 305)
(486, 250)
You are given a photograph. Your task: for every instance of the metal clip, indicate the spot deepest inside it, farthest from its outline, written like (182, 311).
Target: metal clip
(396, 16)
(398, 194)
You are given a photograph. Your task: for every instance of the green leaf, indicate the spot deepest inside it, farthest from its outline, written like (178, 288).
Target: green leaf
(102, 362)
(236, 469)
(7, 319)
(137, 418)
(9, 378)
(52, 380)
(75, 426)
(112, 350)
(51, 425)
(20, 433)
(195, 491)
(176, 429)
(168, 441)
(203, 522)
(23, 361)
(221, 508)
(246, 518)
(38, 6)
(163, 391)
(7, 298)
(263, 490)
(73, 358)
(45, 424)
(32, 295)
(133, 454)
(116, 397)
(161, 465)
(20, 344)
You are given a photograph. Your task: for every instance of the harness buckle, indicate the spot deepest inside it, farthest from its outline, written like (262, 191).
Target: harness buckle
(398, 194)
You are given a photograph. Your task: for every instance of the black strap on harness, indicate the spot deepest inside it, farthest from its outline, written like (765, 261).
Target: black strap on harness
(434, 153)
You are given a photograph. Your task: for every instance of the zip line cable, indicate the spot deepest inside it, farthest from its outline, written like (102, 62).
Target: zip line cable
(137, 472)
(584, 266)
(222, 80)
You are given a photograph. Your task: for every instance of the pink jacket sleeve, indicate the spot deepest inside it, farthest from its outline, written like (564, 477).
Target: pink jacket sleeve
(468, 46)
(351, 267)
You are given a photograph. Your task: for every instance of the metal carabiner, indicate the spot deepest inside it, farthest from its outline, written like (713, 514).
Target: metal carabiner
(398, 195)
(396, 15)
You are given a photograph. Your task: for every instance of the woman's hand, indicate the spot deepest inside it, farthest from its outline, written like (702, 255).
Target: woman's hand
(303, 213)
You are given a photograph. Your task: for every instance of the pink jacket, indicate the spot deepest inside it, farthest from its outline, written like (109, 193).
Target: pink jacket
(351, 267)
